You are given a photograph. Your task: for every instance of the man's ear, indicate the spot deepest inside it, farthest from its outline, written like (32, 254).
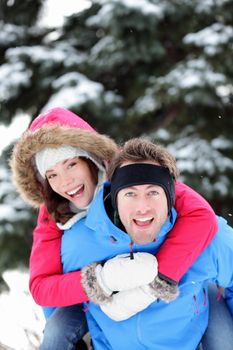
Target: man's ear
(117, 221)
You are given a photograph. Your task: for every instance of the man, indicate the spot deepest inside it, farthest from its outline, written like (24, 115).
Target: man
(142, 192)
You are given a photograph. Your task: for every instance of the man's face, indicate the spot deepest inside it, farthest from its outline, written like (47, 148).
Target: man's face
(143, 211)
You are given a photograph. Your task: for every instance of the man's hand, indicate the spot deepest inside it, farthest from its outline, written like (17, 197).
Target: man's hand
(123, 273)
(118, 274)
(126, 304)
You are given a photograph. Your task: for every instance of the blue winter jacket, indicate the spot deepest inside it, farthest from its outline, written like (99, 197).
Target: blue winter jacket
(177, 325)
(229, 299)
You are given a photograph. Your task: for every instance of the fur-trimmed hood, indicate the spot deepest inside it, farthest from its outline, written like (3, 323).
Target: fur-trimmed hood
(54, 135)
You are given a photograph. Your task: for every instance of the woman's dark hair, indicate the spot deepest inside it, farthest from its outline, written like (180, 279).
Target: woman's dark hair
(58, 206)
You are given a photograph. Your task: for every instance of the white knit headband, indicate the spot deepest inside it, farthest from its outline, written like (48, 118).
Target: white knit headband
(48, 157)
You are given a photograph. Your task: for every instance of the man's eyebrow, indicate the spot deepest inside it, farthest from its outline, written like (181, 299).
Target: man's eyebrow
(133, 187)
(129, 187)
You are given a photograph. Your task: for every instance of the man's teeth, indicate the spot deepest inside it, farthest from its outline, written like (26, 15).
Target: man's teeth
(144, 219)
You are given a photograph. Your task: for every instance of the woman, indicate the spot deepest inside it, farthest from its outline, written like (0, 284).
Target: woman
(55, 137)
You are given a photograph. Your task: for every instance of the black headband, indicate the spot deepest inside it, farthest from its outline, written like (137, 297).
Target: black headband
(141, 174)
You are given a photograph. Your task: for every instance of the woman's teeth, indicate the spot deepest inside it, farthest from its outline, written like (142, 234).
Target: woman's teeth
(75, 191)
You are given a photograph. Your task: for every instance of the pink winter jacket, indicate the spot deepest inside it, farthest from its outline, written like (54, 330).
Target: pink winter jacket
(195, 227)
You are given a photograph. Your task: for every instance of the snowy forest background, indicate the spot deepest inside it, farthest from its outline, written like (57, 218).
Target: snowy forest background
(160, 69)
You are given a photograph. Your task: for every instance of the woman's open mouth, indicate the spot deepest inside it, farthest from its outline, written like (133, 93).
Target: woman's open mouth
(76, 192)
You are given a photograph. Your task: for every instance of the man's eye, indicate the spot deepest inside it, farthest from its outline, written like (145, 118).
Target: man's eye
(129, 194)
(154, 193)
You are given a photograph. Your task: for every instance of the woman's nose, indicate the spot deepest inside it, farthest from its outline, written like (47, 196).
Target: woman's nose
(65, 180)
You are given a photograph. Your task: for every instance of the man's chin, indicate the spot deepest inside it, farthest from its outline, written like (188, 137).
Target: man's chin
(143, 241)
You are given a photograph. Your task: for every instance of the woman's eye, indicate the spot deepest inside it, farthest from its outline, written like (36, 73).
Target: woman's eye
(71, 165)
(51, 176)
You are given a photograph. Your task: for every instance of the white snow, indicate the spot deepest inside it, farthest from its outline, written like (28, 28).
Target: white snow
(14, 131)
(106, 13)
(194, 72)
(13, 76)
(21, 319)
(211, 38)
(55, 11)
(72, 89)
(10, 33)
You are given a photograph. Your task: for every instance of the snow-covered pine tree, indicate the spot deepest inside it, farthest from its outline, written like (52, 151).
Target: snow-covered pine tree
(161, 69)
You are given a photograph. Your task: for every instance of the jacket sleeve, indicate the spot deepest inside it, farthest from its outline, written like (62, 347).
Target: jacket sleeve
(48, 285)
(222, 257)
(195, 227)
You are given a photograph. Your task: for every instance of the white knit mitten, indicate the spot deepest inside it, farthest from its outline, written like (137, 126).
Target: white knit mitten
(118, 274)
(123, 273)
(127, 303)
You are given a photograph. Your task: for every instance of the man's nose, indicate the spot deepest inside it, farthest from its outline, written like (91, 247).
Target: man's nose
(143, 205)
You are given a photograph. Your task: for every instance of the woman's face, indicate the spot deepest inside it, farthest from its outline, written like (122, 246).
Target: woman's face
(72, 179)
